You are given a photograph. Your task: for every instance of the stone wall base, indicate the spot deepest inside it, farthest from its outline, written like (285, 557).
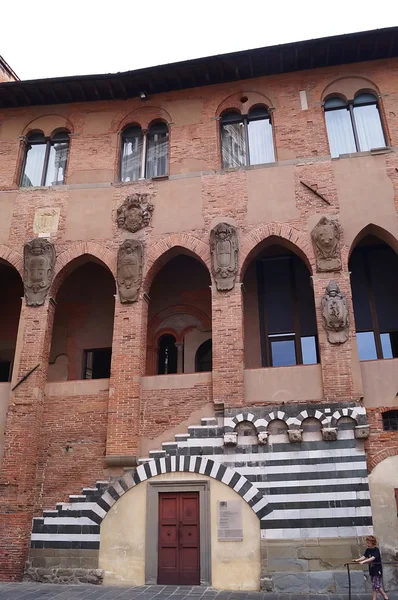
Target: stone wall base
(315, 582)
(63, 575)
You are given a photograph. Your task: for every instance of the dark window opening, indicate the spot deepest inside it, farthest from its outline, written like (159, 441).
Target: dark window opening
(167, 362)
(97, 363)
(247, 139)
(203, 359)
(286, 311)
(390, 420)
(353, 126)
(5, 371)
(144, 155)
(45, 160)
(374, 283)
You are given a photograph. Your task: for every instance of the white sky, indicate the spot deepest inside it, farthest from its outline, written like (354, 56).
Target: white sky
(50, 38)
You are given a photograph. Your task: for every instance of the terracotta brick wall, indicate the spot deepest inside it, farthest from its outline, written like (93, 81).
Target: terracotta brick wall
(380, 444)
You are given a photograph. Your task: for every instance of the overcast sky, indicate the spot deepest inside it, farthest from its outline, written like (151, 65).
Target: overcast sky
(49, 38)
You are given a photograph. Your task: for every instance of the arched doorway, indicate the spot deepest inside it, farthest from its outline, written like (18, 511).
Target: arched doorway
(374, 283)
(81, 345)
(179, 319)
(279, 309)
(10, 308)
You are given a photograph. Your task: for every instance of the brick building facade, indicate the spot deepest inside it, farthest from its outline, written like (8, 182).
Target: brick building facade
(199, 333)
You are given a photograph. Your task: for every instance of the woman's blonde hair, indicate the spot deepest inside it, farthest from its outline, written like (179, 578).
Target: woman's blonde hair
(372, 540)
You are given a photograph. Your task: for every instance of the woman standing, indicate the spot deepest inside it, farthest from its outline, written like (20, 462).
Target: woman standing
(372, 557)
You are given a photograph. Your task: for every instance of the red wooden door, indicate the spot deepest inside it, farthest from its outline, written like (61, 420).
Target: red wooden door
(179, 553)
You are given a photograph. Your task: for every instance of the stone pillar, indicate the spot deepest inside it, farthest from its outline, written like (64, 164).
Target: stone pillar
(341, 373)
(227, 337)
(22, 437)
(128, 366)
(180, 357)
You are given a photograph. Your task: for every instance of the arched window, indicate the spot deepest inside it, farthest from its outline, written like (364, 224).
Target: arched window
(45, 159)
(390, 420)
(288, 331)
(144, 154)
(353, 126)
(167, 362)
(247, 139)
(374, 282)
(203, 359)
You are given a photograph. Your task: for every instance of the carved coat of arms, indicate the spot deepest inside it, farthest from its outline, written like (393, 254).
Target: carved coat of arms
(326, 242)
(135, 212)
(39, 261)
(129, 270)
(224, 255)
(335, 314)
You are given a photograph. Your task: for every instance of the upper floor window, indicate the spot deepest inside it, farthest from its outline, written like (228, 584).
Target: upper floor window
(353, 126)
(247, 139)
(390, 420)
(144, 153)
(45, 159)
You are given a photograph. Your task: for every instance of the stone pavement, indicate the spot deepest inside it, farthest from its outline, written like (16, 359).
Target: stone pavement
(39, 591)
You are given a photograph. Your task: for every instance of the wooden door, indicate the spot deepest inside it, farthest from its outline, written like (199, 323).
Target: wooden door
(179, 552)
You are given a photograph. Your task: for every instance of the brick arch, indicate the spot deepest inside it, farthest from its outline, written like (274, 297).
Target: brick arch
(106, 256)
(300, 243)
(13, 258)
(348, 86)
(254, 98)
(188, 464)
(159, 254)
(49, 123)
(144, 116)
(380, 456)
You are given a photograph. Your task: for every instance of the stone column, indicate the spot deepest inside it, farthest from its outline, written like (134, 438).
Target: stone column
(180, 357)
(227, 337)
(128, 366)
(22, 437)
(341, 373)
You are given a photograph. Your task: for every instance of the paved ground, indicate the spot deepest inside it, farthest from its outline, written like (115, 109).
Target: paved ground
(38, 591)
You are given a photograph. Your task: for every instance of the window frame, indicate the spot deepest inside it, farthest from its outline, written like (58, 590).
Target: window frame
(245, 119)
(350, 106)
(86, 352)
(265, 337)
(48, 141)
(377, 333)
(386, 419)
(145, 142)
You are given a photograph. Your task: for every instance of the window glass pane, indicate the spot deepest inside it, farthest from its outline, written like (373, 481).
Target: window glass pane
(157, 151)
(233, 145)
(340, 132)
(283, 351)
(366, 345)
(308, 349)
(365, 99)
(131, 156)
(57, 163)
(335, 103)
(258, 112)
(386, 345)
(34, 165)
(261, 144)
(370, 132)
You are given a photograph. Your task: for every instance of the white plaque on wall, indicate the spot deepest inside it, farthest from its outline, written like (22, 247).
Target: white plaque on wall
(229, 521)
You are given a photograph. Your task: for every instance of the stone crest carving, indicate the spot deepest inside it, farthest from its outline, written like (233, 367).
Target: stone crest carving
(129, 270)
(46, 221)
(135, 212)
(39, 260)
(224, 255)
(326, 242)
(335, 314)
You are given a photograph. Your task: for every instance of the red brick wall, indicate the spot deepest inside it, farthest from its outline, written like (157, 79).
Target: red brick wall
(37, 470)
(380, 444)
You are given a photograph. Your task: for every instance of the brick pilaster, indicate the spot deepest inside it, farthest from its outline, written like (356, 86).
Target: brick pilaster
(22, 439)
(341, 374)
(227, 336)
(128, 366)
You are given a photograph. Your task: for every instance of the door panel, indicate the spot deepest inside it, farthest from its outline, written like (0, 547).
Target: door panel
(179, 552)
